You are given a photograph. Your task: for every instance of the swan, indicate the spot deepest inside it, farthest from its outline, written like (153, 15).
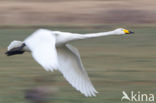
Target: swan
(52, 51)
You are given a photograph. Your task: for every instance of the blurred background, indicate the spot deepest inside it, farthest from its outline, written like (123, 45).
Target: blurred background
(114, 63)
(52, 12)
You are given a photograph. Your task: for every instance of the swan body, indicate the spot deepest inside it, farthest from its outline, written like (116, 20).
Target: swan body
(52, 51)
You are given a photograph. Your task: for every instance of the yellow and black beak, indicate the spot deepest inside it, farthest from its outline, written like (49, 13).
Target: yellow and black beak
(128, 31)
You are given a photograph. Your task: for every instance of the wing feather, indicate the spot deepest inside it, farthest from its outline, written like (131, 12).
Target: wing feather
(71, 67)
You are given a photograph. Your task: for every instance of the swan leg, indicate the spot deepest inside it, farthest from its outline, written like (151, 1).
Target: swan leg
(17, 50)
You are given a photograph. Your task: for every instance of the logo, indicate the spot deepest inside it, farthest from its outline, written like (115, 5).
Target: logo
(137, 96)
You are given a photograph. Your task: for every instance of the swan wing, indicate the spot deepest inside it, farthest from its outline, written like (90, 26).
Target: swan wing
(71, 67)
(42, 45)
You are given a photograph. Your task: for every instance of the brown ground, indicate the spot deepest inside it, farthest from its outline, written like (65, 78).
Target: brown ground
(21, 12)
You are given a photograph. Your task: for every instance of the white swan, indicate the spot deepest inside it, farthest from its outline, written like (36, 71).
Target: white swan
(51, 51)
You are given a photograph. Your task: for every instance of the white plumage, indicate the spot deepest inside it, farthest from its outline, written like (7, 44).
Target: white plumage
(51, 51)
(42, 46)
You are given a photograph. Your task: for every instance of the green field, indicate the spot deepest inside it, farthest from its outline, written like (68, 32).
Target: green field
(114, 64)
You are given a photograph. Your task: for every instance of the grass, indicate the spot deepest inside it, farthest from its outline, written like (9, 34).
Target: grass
(114, 64)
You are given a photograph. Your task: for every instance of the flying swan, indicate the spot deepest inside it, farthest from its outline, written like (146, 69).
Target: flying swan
(52, 51)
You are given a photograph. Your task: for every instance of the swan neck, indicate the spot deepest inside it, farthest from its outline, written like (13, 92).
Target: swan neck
(93, 35)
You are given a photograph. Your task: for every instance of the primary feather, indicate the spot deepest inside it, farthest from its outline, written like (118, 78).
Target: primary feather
(72, 69)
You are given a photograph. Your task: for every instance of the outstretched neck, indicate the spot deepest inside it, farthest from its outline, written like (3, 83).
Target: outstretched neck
(93, 35)
(69, 37)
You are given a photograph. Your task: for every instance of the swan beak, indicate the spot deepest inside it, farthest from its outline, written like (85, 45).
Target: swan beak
(128, 31)
(131, 32)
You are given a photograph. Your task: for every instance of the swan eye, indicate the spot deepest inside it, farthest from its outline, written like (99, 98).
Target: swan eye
(126, 31)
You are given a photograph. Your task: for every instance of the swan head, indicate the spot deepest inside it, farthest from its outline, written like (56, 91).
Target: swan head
(122, 31)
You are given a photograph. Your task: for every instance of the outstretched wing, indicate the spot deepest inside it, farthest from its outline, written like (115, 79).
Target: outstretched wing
(72, 69)
(42, 45)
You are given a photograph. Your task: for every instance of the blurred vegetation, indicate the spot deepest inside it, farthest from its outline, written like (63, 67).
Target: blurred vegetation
(77, 12)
